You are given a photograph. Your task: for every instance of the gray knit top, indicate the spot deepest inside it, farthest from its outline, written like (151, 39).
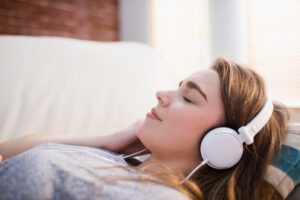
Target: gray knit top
(59, 171)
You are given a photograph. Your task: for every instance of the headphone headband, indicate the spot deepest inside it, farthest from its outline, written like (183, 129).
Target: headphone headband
(248, 132)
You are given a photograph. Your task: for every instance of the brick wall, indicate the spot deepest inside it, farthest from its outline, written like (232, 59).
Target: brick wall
(82, 19)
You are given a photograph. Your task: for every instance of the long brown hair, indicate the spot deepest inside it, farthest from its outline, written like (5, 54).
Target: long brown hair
(243, 94)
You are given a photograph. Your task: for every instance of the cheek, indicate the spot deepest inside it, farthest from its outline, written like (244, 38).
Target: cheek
(187, 126)
(183, 120)
(182, 128)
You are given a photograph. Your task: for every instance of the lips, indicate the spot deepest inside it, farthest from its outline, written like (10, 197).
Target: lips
(153, 111)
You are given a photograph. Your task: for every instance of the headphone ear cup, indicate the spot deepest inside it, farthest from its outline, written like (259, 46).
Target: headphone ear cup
(222, 148)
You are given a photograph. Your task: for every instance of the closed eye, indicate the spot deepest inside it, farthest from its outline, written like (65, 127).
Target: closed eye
(187, 100)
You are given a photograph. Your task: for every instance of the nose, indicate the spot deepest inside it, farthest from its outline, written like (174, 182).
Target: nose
(162, 98)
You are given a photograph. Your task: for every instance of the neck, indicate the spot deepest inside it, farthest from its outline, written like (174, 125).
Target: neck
(180, 165)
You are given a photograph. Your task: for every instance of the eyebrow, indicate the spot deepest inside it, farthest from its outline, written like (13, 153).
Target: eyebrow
(193, 85)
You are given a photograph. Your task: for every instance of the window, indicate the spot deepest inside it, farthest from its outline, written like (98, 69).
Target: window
(181, 34)
(274, 46)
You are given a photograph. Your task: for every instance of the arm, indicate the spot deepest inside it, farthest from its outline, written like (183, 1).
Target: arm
(124, 141)
(13, 147)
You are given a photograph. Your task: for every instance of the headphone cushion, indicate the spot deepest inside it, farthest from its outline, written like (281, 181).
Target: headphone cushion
(222, 148)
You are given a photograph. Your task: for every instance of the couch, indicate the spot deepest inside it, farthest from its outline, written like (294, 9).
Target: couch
(71, 86)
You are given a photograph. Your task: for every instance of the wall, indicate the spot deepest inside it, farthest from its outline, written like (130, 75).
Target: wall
(135, 21)
(228, 29)
(82, 19)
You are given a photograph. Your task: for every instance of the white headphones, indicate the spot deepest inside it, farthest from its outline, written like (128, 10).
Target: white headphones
(222, 148)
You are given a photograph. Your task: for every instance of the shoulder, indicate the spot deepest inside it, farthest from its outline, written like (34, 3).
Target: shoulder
(130, 189)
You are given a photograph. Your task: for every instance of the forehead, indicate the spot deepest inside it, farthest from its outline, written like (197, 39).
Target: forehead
(208, 80)
(207, 76)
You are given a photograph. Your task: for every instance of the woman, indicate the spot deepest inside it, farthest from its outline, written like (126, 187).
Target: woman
(226, 95)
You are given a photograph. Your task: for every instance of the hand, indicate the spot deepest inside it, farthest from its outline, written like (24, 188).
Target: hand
(0, 158)
(125, 141)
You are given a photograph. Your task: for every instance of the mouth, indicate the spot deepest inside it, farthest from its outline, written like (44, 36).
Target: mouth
(154, 113)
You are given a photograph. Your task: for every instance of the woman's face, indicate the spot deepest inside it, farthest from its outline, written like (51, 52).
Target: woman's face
(184, 123)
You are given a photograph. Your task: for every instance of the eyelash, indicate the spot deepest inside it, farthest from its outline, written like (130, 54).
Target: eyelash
(187, 100)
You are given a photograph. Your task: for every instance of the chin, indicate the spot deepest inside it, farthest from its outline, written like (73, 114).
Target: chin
(145, 136)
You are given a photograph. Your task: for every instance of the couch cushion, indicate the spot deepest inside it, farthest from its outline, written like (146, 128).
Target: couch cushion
(284, 171)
